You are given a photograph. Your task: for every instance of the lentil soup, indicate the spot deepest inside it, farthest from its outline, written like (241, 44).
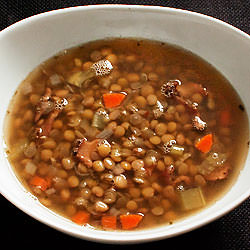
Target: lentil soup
(126, 134)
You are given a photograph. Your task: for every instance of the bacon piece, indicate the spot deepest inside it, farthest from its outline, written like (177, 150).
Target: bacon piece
(188, 89)
(182, 93)
(44, 130)
(45, 105)
(219, 173)
(168, 174)
(193, 107)
(85, 149)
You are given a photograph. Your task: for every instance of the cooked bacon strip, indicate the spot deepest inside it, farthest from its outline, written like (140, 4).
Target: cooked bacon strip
(181, 92)
(85, 149)
(44, 130)
(219, 173)
(168, 174)
(193, 107)
(188, 89)
(45, 105)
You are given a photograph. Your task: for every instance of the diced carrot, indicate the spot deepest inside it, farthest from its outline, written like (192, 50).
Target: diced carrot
(39, 182)
(112, 100)
(205, 143)
(225, 118)
(109, 222)
(130, 221)
(80, 217)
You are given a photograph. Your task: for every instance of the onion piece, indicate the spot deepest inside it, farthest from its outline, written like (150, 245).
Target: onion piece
(192, 198)
(30, 168)
(105, 134)
(176, 150)
(55, 79)
(100, 119)
(212, 162)
(89, 131)
(26, 88)
(50, 191)
(30, 150)
(129, 97)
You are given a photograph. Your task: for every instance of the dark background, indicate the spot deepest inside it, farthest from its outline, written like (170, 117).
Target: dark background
(232, 231)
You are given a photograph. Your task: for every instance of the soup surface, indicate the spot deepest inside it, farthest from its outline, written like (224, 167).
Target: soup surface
(126, 134)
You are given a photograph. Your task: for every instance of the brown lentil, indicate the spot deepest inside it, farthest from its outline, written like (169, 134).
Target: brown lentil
(172, 126)
(148, 192)
(46, 154)
(104, 149)
(108, 163)
(73, 181)
(120, 181)
(155, 140)
(98, 166)
(69, 135)
(131, 205)
(161, 129)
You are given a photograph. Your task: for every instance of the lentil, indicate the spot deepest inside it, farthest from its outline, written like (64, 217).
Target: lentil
(119, 131)
(161, 129)
(120, 181)
(46, 154)
(148, 192)
(151, 99)
(68, 163)
(131, 205)
(69, 135)
(73, 181)
(98, 166)
(172, 126)
(155, 140)
(104, 149)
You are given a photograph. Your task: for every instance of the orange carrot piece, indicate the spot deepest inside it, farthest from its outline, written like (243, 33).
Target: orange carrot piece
(109, 222)
(39, 182)
(80, 217)
(112, 100)
(205, 143)
(225, 118)
(130, 221)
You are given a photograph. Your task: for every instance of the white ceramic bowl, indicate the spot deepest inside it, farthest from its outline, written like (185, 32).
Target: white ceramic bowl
(27, 43)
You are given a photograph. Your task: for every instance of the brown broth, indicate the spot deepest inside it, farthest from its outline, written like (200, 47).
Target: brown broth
(159, 62)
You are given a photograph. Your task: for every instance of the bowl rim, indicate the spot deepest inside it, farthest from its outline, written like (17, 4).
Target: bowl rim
(123, 237)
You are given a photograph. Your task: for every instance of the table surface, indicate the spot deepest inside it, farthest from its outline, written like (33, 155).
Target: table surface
(231, 231)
